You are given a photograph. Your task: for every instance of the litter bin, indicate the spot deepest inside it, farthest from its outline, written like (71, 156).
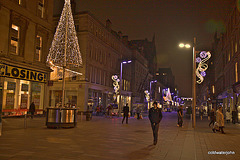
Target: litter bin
(88, 116)
(61, 117)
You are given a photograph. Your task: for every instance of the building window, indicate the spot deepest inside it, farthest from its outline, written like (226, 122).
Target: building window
(74, 77)
(38, 52)
(236, 47)
(77, 28)
(236, 71)
(40, 10)
(213, 89)
(229, 56)
(15, 37)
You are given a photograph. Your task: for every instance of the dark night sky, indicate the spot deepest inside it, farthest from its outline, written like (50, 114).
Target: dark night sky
(172, 21)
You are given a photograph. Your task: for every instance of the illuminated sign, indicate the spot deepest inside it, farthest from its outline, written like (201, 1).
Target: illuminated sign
(21, 73)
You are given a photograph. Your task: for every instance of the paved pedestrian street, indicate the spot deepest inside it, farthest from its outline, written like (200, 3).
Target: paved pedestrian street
(107, 139)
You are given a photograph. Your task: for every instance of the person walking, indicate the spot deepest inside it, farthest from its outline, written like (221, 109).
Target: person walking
(138, 111)
(220, 120)
(155, 117)
(32, 109)
(212, 117)
(234, 116)
(201, 114)
(228, 116)
(125, 113)
(180, 116)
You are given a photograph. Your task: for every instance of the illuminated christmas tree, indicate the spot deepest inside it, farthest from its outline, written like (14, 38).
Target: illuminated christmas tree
(64, 51)
(64, 54)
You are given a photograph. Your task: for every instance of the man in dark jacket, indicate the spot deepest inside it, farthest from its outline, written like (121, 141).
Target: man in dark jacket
(155, 116)
(125, 113)
(212, 117)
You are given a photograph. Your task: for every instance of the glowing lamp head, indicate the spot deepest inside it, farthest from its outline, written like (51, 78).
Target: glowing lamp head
(124, 62)
(129, 61)
(181, 45)
(187, 45)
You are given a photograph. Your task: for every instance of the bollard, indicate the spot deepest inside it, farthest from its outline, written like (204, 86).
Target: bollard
(25, 121)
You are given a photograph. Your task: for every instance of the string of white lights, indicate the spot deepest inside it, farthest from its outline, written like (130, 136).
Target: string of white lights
(56, 54)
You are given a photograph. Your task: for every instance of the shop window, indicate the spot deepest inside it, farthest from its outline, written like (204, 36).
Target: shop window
(37, 91)
(15, 37)
(9, 95)
(40, 10)
(24, 94)
(38, 52)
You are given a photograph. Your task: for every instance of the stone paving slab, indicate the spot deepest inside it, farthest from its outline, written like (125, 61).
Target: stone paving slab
(108, 139)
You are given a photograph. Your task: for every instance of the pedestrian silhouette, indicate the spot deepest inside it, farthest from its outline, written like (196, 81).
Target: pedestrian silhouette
(125, 113)
(155, 116)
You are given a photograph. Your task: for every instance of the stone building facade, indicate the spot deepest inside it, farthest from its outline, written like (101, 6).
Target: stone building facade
(102, 51)
(26, 30)
(227, 64)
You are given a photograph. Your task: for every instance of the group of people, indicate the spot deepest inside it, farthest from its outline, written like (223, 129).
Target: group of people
(217, 121)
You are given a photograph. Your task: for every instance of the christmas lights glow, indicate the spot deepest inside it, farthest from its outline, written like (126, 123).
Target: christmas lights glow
(115, 83)
(202, 66)
(64, 51)
(147, 95)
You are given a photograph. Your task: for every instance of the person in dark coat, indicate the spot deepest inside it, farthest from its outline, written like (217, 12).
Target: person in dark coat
(234, 116)
(138, 111)
(32, 109)
(155, 116)
(180, 116)
(125, 113)
(212, 117)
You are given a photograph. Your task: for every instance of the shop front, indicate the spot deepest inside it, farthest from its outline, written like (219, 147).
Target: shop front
(20, 87)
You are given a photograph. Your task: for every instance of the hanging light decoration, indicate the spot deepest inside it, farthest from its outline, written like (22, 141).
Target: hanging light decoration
(202, 66)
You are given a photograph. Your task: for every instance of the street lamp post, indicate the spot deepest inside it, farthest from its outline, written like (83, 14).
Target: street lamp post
(151, 88)
(120, 90)
(193, 79)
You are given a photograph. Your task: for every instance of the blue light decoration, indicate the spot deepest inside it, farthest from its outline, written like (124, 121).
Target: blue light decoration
(198, 59)
(203, 74)
(202, 66)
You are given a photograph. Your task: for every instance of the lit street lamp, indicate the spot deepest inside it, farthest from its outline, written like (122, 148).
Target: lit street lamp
(182, 45)
(120, 90)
